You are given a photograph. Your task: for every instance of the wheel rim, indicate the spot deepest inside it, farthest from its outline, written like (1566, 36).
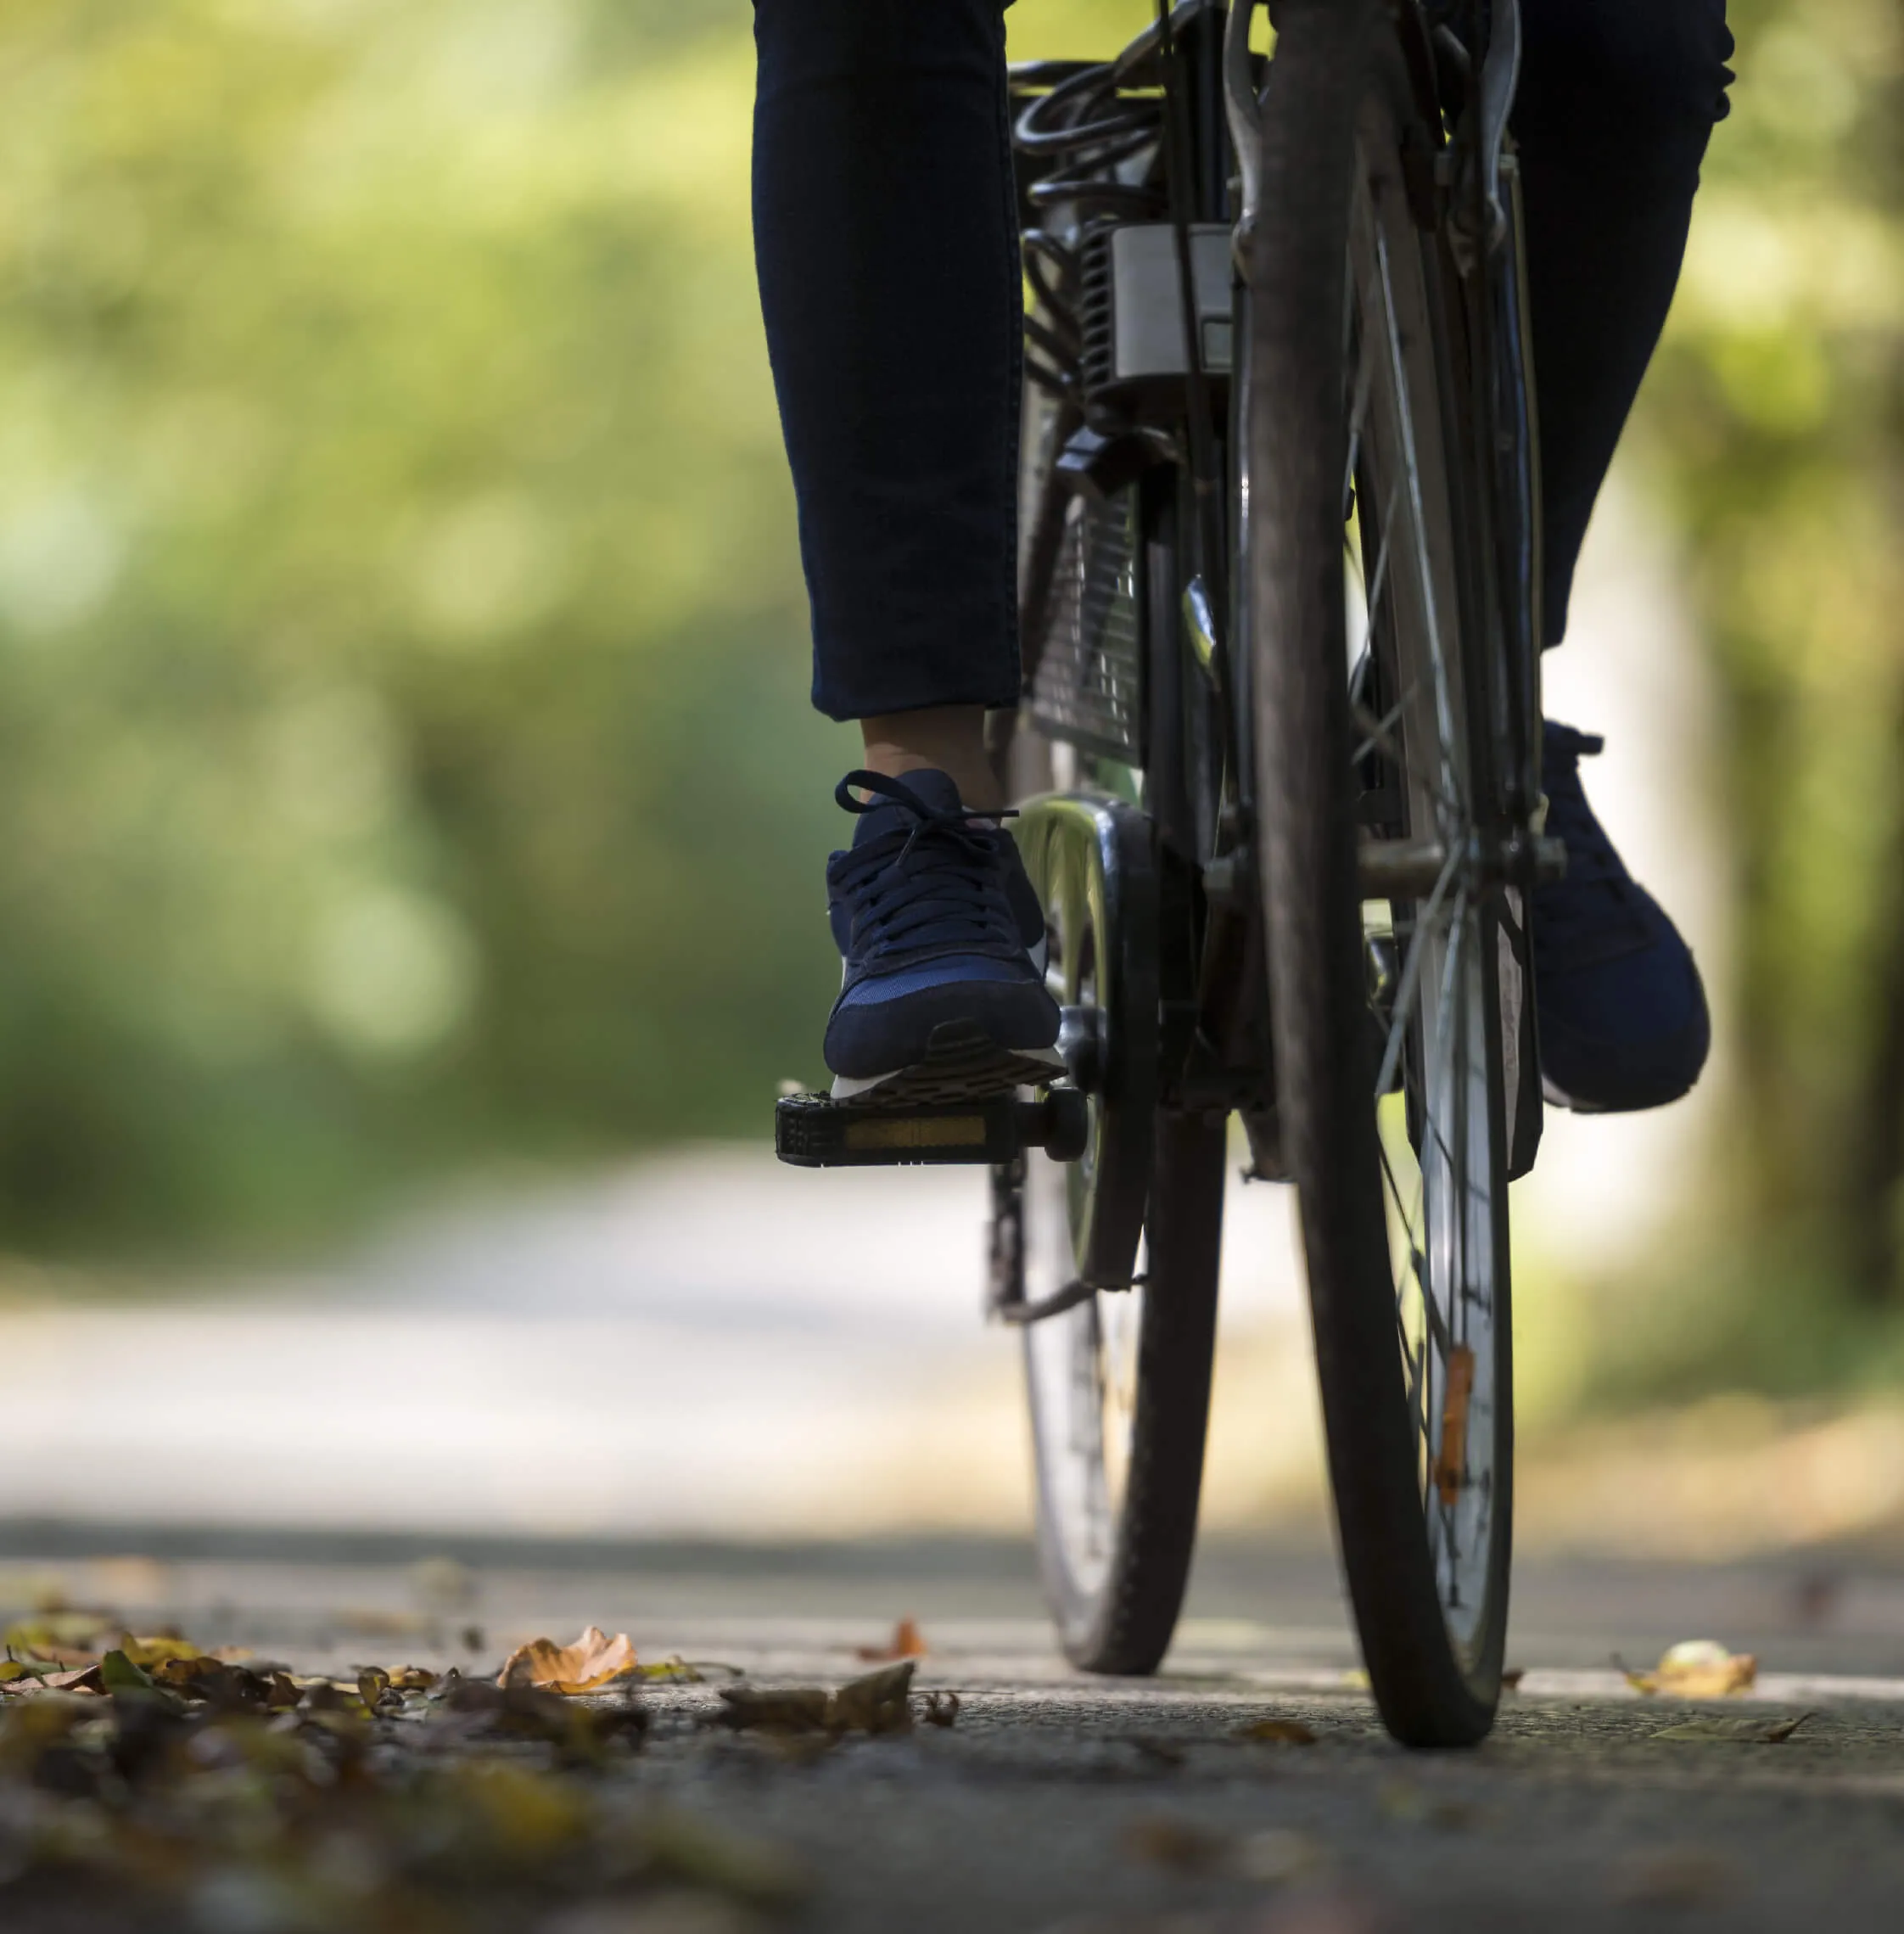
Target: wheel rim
(1439, 1127)
(1082, 1365)
(1081, 1368)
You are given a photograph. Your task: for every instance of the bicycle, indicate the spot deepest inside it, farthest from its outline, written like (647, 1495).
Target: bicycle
(1278, 761)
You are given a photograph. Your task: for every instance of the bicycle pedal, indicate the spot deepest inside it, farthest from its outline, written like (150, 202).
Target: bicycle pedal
(815, 1131)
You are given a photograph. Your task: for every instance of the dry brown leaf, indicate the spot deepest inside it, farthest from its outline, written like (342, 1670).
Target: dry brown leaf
(50, 1654)
(796, 1709)
(1511, 1680)
(80, 1678)
(878, 1703)
(907, 1642)
(874, 1704)
(1278, 1732)
(593, 1660)
(1697, 1668)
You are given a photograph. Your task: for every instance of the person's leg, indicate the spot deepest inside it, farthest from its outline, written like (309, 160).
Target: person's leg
(1617, 99)
(886, 236)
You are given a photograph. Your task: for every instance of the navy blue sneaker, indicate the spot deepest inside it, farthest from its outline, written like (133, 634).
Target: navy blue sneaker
(1623, 1022)
(943, 996)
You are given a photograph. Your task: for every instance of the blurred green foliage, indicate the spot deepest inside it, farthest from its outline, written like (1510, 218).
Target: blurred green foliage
(404, 751)
(1774, 418)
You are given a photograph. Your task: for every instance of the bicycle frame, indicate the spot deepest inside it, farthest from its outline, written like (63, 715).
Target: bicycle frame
(1214, 1047)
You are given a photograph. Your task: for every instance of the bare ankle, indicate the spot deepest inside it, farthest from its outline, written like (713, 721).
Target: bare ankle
(943, 738)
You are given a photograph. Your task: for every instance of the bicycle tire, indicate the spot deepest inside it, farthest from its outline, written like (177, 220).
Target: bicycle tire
(1436, 1676)
(1115, 1586)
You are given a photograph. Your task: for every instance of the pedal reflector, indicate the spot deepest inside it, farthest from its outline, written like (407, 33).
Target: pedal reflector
(815, 1131)
(897, 1132)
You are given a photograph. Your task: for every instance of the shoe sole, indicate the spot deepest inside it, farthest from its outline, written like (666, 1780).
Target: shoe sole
(962, 1063)
(1557, 1097)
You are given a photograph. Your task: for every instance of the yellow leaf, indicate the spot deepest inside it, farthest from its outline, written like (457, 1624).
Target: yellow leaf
(593, 1660)
(150, 1651)
(1278, 1732)
(1698, 1668)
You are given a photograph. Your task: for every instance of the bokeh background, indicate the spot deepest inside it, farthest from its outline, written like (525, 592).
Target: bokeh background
(411, 824)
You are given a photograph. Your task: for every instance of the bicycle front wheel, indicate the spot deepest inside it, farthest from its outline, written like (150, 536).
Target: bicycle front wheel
(1376, 790)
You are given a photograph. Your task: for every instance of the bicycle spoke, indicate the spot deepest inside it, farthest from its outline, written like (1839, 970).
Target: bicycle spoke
(1379, 733)
(1359, 412)
(1411, 468)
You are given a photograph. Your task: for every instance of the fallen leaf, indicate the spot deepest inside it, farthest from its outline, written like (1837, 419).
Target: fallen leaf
(578, 1732)
(47, 1653)
(228, 1687)
(678, 1671)
(1739, 1732)
(161, 1646)
(60, 1631)
(878, 1703)
(125, 1680)
(907, 1642)
(1511, 1680)
(797, 1709)
(1697, 1668)
(76, 1679)
(1278, 1732)
(593, 1660)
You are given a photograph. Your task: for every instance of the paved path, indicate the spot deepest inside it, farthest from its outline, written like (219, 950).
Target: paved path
(1058, 1802)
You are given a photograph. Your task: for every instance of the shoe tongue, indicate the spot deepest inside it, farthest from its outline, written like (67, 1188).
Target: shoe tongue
(936, 790)
(1563, 748)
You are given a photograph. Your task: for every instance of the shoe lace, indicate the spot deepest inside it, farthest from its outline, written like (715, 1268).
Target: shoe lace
(939, 872)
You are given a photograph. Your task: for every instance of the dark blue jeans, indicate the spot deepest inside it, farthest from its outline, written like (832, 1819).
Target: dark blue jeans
(885, 232)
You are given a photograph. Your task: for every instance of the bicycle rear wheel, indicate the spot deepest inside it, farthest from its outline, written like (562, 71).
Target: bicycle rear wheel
(1119, 1390)
(1384, 980)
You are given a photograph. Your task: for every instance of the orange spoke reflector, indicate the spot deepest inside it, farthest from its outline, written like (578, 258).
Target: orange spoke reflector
(1454, 1458)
